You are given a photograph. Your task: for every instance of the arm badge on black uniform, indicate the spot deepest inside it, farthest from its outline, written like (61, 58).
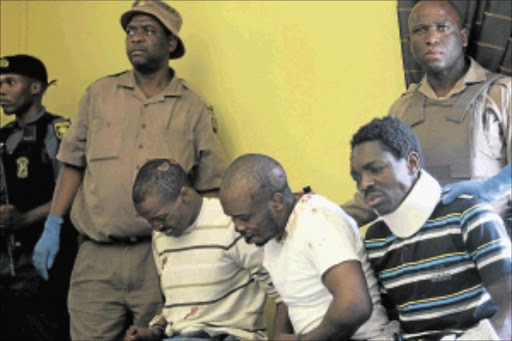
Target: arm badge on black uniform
(60, 129)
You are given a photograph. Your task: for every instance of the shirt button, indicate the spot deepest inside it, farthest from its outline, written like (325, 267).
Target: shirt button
(143, 125)
(141, 146)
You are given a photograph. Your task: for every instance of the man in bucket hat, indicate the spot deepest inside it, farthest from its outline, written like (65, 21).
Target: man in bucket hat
(31, 309)
(124, 120)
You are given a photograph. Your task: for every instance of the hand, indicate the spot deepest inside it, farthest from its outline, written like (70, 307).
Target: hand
(491, 189)
(135, 333)
(482, 189)
(48, 245)
(10, 217)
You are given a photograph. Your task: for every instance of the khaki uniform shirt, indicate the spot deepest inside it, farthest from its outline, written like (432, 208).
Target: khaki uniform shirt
(491, 131)
(116, 131)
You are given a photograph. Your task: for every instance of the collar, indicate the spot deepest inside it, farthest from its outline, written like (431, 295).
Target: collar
(38, 116)
(34, 119)
(417, 207)
(475, 74)
(174, 89)
(201, 217)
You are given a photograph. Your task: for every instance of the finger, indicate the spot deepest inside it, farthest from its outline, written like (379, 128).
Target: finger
(446, 189)
(50, 260)
(39, 264)
(449, 197)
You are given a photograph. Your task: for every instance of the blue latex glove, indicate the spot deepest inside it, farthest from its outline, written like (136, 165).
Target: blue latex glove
(491, 189)
(47, 246)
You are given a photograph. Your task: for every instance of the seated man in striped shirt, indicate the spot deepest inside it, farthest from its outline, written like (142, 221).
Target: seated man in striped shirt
(211, 279)
(446, 269)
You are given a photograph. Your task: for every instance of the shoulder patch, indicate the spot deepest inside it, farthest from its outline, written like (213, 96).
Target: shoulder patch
(61, 128)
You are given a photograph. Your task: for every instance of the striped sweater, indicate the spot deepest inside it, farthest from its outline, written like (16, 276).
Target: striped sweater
(211, 279)
(437, 276)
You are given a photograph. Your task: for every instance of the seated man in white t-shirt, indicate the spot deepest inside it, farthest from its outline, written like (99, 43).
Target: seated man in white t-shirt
(313, 252)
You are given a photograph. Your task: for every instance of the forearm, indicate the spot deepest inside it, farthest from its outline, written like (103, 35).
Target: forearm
(336, 325)
(502, 320)
(283, 328)
(70, 179)
(35, 215)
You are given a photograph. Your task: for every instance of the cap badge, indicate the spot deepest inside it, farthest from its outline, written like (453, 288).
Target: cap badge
(140, 3)
(4, 63)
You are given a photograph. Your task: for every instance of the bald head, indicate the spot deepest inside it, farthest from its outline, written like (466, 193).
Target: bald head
(260, 174)
(447, 7)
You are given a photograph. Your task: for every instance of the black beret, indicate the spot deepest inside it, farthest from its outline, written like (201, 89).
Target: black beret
(25, 65)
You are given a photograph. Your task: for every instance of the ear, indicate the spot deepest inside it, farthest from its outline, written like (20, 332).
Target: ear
(185, 194)
(413, 162)
(173, 44)
(277, 202)
(36, 88)
(464, 33)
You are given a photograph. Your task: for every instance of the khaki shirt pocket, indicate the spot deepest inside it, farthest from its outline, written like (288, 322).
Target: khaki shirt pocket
(105, 139)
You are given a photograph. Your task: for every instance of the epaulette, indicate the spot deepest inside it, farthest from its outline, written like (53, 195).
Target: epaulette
(186, 86)
(116, 74)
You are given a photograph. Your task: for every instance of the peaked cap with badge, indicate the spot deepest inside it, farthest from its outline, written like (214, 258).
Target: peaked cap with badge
(165, 14)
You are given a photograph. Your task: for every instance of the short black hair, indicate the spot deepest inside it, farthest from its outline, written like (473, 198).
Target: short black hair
(163, 177)
(261, 173)
(451, 4)
(393, 134)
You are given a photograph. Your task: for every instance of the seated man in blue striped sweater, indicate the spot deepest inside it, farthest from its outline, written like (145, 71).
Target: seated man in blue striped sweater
(211, 279)
(446, 269)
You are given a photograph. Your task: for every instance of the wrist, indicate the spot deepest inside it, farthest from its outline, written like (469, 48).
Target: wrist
(53, 223)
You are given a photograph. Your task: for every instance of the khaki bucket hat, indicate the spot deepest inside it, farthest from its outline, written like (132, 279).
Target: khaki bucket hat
(167, 15)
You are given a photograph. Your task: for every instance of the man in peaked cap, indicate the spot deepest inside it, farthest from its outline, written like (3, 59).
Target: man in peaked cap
(31, 309)
(124, 120)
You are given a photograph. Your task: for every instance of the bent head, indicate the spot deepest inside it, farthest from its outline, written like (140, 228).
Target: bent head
(162, 195)
(255, 194)
(385, 163)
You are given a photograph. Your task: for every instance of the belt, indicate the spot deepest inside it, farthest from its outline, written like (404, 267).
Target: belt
(122, 240)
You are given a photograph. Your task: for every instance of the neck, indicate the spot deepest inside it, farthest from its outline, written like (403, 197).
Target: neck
(152, 83)
(24, 116)
(290, 202)
(197, 203)
(443, 82)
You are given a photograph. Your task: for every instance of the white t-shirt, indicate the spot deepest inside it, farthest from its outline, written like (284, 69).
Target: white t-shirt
(320, 235)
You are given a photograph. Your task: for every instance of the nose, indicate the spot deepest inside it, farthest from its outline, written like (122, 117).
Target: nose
(157, 226)
(137, 36)
(240, 228)
(366, 182)
(432, 37)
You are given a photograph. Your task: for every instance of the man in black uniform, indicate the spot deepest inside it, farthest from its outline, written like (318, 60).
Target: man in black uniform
(30, 308)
